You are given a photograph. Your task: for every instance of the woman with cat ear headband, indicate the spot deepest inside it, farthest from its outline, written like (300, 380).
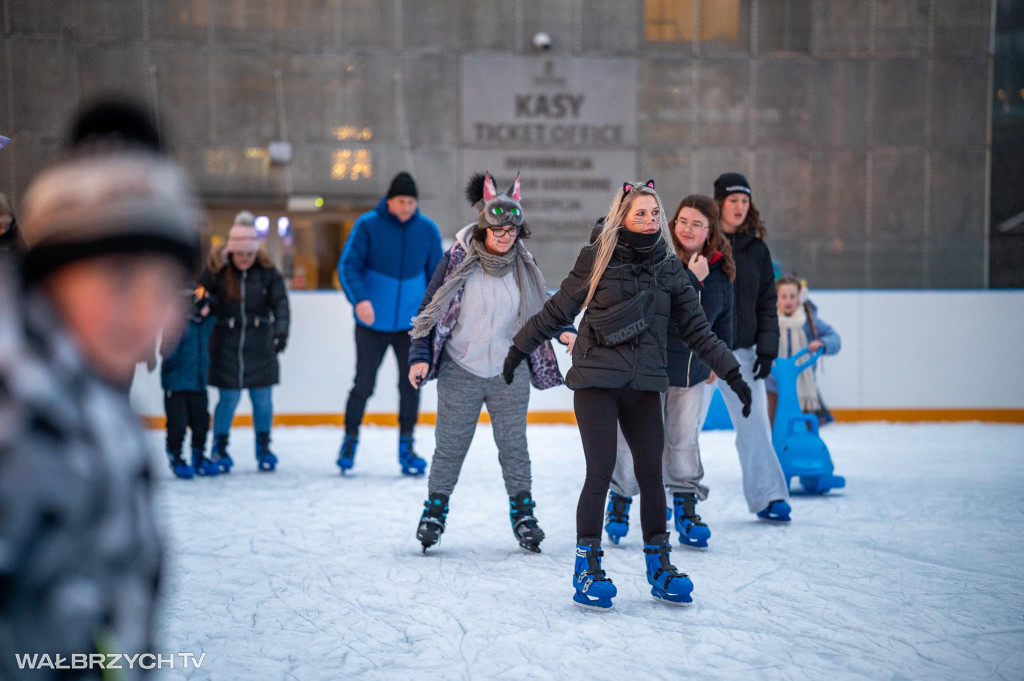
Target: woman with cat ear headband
(632, 287)
(482, 291)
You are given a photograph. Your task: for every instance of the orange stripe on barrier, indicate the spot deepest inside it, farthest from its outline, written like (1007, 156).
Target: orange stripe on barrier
(929, 415)
(569, 418)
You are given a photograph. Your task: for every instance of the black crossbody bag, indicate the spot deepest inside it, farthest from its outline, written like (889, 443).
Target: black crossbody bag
(623, 322)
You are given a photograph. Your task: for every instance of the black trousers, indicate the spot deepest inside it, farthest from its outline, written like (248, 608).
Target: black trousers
(638, 413)
(370, 348)
(186, 409)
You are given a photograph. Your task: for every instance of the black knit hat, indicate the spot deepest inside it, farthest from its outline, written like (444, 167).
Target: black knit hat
(403, 185)
(731, 183)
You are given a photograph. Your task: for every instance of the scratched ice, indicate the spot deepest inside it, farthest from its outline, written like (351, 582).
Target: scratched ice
(916, 570)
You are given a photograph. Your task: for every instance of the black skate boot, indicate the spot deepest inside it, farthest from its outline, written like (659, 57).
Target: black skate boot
(524, 525)
(431, 527)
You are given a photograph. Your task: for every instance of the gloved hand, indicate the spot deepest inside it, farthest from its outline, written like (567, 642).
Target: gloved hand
(762, 366)
(514, 359)
(279, 343)
(740, 387)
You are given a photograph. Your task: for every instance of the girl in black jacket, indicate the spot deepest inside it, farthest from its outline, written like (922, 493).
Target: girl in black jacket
(698, 241)
(756, 343)
(632, 288)
(251, 306)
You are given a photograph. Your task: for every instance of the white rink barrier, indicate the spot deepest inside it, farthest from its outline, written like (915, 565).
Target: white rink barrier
(954, 352)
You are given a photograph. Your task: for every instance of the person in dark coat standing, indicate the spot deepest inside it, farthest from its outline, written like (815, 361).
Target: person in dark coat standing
(184, 373)
(251, 306)
(633, 288)
(702, 248)
(756, 344)
(388, 259)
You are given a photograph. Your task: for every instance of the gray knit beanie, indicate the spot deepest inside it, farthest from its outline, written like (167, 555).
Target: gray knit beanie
(95, 205)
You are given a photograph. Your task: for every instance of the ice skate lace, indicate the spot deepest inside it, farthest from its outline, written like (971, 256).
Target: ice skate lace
(593, 571)
(666, 567)
(690, 515)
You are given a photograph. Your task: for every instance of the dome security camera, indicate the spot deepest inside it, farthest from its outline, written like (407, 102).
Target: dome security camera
(542, 42)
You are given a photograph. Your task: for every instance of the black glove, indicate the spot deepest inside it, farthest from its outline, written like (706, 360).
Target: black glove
(279, 343)
(514, 359)
(740, 387)
(762, 366)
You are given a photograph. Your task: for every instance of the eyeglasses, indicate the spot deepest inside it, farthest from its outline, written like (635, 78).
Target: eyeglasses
(514, 231)
(691, 227)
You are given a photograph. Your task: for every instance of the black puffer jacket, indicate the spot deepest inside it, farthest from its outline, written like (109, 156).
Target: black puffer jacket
(716, 299)
(249, 332)
(641, 364)
(755, 320)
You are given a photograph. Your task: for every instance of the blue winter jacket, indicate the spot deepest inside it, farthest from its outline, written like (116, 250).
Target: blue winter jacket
(389, 263)
(187, 367)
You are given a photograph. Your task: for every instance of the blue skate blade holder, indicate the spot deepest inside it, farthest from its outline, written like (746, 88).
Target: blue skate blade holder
(801, 451)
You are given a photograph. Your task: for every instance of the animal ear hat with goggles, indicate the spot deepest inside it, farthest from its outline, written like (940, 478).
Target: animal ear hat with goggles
(497, 209)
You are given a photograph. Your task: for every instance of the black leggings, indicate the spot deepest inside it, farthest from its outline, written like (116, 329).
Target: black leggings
(638, 413)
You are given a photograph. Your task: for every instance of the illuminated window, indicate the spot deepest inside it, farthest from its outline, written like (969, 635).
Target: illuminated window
(350, 132)
(351, 164)
(229, 162)
(675, 21)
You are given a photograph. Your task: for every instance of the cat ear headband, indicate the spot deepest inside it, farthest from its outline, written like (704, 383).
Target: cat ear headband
(627, 187)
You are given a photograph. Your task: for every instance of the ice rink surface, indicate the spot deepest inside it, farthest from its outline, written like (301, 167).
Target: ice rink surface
(914, 571)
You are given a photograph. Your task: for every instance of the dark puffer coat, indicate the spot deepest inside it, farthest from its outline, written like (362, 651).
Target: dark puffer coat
(642, 363)
(755, 320)
(715, 296)
(249, 332)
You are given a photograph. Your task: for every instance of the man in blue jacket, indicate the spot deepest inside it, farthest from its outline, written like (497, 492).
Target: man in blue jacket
(388, 259)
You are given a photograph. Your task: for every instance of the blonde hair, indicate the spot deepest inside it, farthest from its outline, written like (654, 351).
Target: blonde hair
(606, 240)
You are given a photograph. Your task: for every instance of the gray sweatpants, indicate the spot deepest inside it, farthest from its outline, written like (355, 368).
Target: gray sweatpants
(763, 481)
(685, 410)
(460, 396)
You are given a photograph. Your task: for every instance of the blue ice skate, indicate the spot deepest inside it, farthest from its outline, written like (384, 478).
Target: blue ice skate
(616, 522)
(593, 588)
(693, 533)
(347, 453)
(203, 466)
(801, 451)
(667, 583)
(524, 524)
(219, 453)
(777, 511)
(266, 461)
(432, 521)
(407, 459)
(179, 467)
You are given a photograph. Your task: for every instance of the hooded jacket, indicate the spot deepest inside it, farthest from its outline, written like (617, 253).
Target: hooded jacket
(249, 332)
(388, 263)
(641, 363)
(186, 366)
(755, 317)
(685, 369)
